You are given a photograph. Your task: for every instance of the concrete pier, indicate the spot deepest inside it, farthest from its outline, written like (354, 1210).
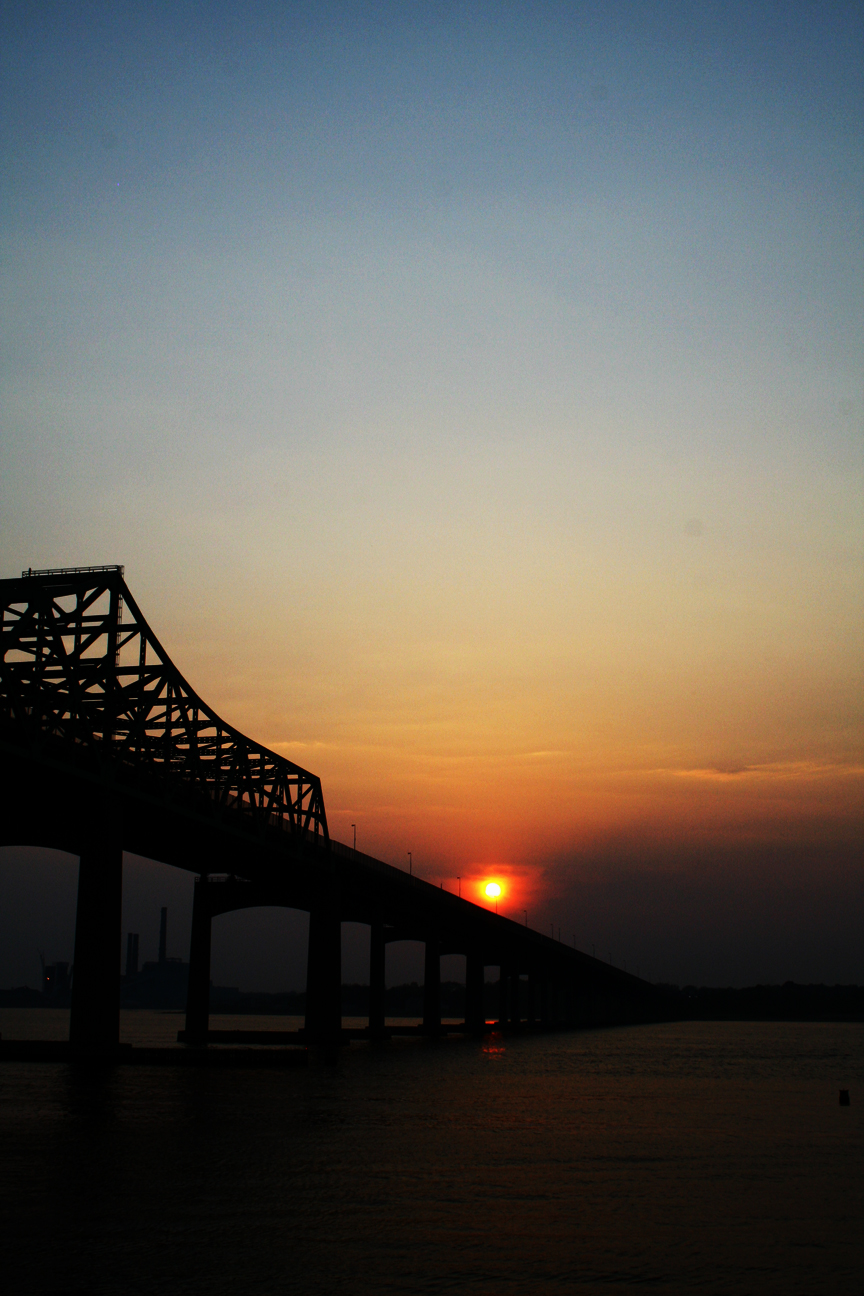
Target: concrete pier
(94, 1021)
(198, 989)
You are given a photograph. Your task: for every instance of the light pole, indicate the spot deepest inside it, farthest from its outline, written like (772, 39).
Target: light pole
(459, 880)
(410, 865)
(354, 826)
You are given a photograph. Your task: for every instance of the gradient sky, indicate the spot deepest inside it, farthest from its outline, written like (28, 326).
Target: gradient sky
(473, 393)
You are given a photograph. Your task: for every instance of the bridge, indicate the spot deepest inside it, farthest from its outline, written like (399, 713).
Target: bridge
(105, 747)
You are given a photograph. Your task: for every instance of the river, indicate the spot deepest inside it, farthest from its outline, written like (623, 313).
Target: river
(678, 1158)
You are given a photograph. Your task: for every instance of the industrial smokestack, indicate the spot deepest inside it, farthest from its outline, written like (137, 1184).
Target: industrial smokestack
(131, 956)
(163, 936)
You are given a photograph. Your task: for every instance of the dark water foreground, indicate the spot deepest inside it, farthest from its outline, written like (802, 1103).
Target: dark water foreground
(695, 1157)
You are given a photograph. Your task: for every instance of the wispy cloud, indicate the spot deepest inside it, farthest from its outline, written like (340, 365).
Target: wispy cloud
(770, 770)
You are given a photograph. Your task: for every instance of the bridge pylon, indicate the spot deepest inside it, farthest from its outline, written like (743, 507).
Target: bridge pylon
(324, 968)
(377, 981)
(94, 1020)
(432, 985)
(198, 988)
(475, 1016)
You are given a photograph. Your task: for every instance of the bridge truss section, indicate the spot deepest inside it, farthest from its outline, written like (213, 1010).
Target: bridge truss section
(82, 673)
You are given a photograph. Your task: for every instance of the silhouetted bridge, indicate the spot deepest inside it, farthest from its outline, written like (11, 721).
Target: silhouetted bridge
(104, 748)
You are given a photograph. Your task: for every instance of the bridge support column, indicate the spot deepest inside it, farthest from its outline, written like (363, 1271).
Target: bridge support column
(94, 1021)
(571, 1002)
(544, 999)
(377, 985)
(503, 996)
(198, 990)
(516, 1001)
(555, 1001)
(432, 987)
(580, 1003)
(475, 1017)
(531, 1014)
(324, 976)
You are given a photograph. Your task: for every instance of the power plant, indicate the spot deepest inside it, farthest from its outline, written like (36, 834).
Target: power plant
(161, 984)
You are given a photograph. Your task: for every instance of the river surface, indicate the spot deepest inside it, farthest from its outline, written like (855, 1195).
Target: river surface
(695, 1157)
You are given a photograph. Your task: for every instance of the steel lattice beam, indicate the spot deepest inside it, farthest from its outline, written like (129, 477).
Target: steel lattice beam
(81, 670)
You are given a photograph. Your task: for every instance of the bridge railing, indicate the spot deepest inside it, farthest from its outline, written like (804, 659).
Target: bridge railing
(76, 671)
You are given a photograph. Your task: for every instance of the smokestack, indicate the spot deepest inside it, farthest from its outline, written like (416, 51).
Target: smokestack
(163, 936)
(131, 956)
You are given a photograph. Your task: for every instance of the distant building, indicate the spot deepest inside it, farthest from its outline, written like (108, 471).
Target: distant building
(157, 985)
(56, 983)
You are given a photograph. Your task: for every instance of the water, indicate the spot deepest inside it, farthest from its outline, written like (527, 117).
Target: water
(159, 1029)
(696, 1157)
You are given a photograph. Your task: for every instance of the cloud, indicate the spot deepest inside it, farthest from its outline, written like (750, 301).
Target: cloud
(771, 770)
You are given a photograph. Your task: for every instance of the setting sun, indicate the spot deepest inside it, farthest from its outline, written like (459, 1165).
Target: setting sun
(492, 890)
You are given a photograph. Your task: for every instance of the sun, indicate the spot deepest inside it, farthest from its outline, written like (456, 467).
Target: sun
(492, 890)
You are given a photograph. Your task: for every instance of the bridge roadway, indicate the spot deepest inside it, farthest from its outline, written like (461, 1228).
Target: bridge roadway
(105, 748)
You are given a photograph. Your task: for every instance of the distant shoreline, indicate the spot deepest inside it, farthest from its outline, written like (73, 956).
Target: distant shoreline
(775, 1003)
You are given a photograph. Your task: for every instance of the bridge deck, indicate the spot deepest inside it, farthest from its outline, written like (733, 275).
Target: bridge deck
(104, 747)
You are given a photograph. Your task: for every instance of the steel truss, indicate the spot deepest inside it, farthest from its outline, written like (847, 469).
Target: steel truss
(81, 671)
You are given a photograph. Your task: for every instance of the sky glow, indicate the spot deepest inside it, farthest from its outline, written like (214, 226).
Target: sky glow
(473, 394)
